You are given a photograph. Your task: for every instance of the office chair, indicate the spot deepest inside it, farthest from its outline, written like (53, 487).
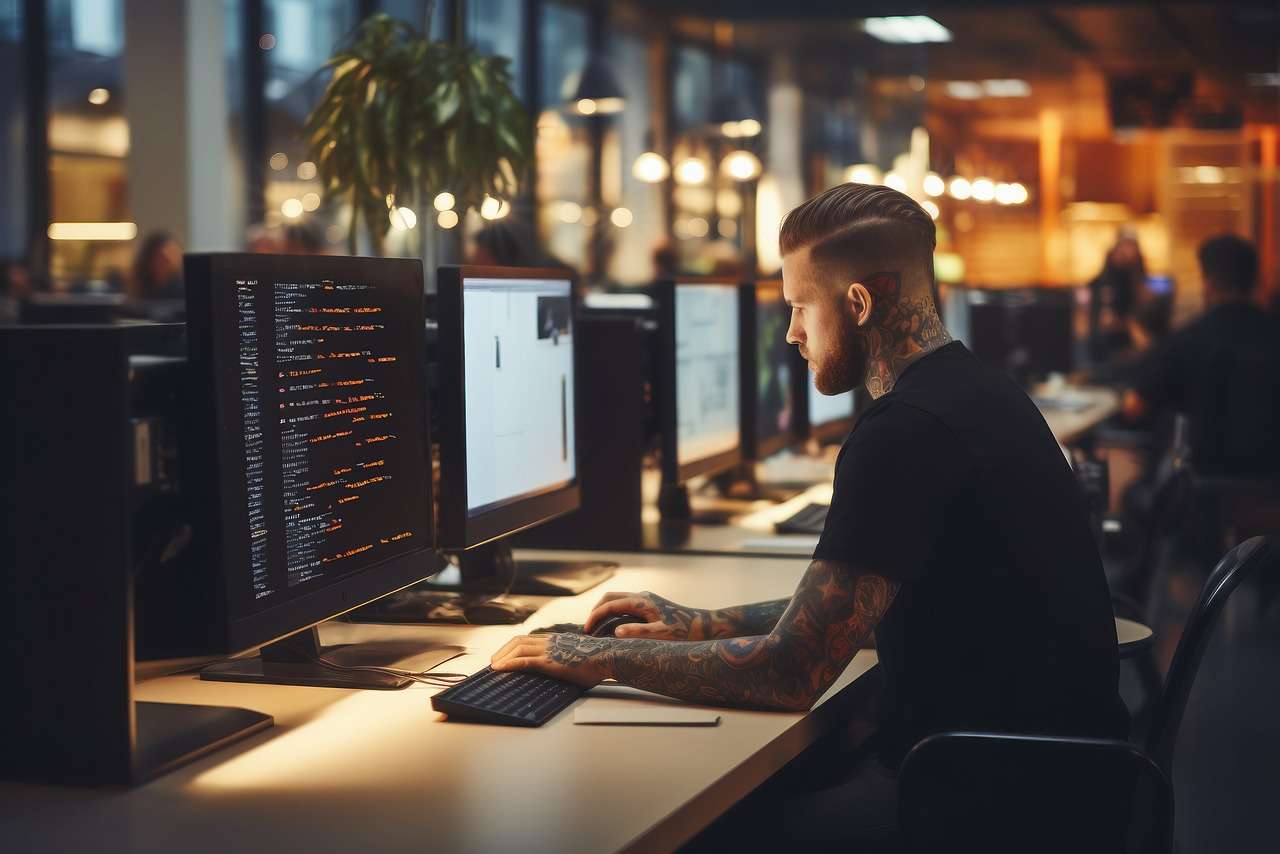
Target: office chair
(1216, 721)
(997, 792)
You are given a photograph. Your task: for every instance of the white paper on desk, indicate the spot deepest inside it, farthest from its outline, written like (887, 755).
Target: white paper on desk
(628, 714)
(798, 543)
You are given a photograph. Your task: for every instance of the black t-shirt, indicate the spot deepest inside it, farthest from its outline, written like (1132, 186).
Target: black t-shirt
(953, 485)
(1223, 371)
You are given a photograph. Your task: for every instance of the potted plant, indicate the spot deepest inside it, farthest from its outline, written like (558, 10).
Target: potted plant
(403, 117)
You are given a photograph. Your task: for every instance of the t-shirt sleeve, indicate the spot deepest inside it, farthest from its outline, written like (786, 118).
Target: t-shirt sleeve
(895, 478)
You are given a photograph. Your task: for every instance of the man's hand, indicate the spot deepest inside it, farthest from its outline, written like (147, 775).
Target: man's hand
(664, 619)
(579, 659)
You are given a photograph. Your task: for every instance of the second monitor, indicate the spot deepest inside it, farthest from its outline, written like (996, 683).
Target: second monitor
(699, 385)
(508, 423)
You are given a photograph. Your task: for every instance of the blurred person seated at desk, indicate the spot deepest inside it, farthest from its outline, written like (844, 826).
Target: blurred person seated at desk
(509, 243)
(957, 535)
(157, 269)
(1222, 370)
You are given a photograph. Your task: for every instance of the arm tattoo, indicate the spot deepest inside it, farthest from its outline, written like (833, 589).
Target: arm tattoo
(757, 619)
(903, 327)
(833, 611)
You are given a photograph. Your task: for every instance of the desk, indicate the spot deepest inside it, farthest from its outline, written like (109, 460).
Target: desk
(380, 771)
(1097, 404)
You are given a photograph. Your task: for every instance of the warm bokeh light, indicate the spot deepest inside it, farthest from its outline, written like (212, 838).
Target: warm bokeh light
(279, 161)
(691, 171)
(894, 181)
(92, 231)
(621, 217)
(934, 185)
(651, 168)
(292, 208)
(444, 202)
(99, 96)
(492, 208)
(310, 201)
(960, 188)
(931, 209)
(306, 170)
(741, 165)
(447, 219)
(569, 212)
(699, 227)
(863, 173)
(983, 189)
(586, 107)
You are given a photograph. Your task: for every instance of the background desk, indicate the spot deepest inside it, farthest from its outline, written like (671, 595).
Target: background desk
(380, 771)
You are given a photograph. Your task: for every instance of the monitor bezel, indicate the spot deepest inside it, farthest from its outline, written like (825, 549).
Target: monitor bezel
(672, 470)
(457, 530)
(242, 631)
(754, 448)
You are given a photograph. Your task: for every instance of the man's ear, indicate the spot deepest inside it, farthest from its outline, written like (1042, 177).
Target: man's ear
(860, 303)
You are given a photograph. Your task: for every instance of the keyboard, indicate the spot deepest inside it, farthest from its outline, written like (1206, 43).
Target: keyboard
(512, 698)
(810, 519)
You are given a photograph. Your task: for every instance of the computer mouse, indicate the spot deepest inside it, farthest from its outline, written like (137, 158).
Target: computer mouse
(610, 625)
(495, 613)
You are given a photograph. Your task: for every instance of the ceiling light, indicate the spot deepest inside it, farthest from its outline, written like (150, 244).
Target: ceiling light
(651, 168)
(964, 90)
(984, 189)
(1010, 88)
(92, 231)
(99, 96)
(934, 185)
(907, 29)
(740, 165)
(749, 127)
(691, 170)
(959, 188)
(598, 92)
(1018, 193)
(1004, 194)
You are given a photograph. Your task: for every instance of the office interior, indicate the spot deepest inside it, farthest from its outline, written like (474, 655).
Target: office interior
(346, 340)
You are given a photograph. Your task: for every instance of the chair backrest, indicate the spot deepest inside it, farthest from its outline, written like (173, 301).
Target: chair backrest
(1258, 554)
(974, 791)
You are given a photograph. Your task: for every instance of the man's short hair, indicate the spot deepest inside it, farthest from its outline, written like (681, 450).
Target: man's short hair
(1230, 263)
(875, 228)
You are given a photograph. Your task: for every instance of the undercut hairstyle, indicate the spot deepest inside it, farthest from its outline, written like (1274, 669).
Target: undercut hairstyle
(1230, 263)
(864, 228)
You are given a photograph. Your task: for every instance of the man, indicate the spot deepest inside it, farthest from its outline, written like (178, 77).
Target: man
(1222, 371)
(956, 533)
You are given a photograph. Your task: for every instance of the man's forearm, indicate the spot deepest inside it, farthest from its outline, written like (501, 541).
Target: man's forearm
(757, 672)
(746, 620)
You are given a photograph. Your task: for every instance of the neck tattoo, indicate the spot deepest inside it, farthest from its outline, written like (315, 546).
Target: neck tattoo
(903, 329)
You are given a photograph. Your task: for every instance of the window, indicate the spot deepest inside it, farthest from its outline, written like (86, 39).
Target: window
(13, 128)
(633, 219)
(565, 212)
(496, 27)
(88, 137)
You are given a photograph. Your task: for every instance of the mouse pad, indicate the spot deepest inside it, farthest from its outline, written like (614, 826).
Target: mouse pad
(635, 714)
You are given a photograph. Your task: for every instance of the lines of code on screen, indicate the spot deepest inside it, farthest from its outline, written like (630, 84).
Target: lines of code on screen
(332, 462)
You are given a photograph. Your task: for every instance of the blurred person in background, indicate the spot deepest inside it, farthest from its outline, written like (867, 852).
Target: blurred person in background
(1222, 370)
(509, 243)
(15, 286)
(302, 240)
(1114, 296)
(157, 269)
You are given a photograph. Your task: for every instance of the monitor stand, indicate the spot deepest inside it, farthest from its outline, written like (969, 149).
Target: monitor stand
(492, 569)
(293, 661)
(741, 484)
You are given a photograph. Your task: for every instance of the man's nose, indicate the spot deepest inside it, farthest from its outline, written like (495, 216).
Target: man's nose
(795, 332)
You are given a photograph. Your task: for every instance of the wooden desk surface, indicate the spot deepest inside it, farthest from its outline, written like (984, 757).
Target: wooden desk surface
(1068, 426)
(372, 770)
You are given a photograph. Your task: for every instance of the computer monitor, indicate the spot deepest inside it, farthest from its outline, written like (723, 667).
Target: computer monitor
(71, 308)
(699, 378)
(307, 455)
(507, 412)
(828, 416)
(770, 369)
